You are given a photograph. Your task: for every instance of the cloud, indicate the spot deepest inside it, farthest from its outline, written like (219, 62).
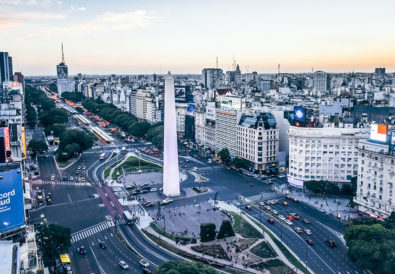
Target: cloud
(23, 3)
(108, 22)
(10, 21)
(82, 8)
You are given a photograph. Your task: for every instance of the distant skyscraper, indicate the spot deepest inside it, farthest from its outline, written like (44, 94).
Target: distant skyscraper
(379, 71)
(212, 77)
(63, 82)
(171, 180)
(320, 81)
(5, 67)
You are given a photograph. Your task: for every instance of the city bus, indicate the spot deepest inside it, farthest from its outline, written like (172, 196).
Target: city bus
(102, 156)
(128, 218)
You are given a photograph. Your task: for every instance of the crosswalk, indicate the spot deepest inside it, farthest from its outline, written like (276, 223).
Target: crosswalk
(78, 236)
(266, 196)
(68, 183)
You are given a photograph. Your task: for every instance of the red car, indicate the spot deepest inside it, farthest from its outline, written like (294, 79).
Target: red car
(270, 221)
(310, 242)
(290, 218)
(330, 243)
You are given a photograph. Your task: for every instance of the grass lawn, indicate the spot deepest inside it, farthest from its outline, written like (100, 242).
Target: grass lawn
(276, 266)
(264, 250)
(108, 169)
(293, 260)
(243, 228)
(132, 164)
(114, 154)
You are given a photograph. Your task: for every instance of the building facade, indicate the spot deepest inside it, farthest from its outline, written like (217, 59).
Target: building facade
(329, 154)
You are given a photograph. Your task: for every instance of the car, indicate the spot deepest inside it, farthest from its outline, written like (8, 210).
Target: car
(321, 209)
(285, 203)
(144, 190)
(102, 245)
(82, 250)
(146, 271)
(77, 172)
(261, 203)
(144, 185)
(298, 230)
(49, 194)
(147, 203)
(248, 207)
(296, 216)
(49, 200)
(306, 221)
(310, 242)
(71, 178)
(123, 265)
(130, 187)
(84, 167)
(288, 197)
(79, 167)
(82, 179)
(288, 222)
(290, 218)
(144, 263)
(154, 189)
(64, 178)
(330, 243)
(307, 231)
(166, 201)
(270, 221)
(296, 200)
(276, 201)
(268, 208)
(281, 217)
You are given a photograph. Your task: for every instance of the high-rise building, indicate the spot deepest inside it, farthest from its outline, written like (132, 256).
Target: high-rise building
(376, 173)
(64, 84)
(320, 81)
(379, 71)
(5, 67)
(212, 77)
(257, 140)
(171, 179)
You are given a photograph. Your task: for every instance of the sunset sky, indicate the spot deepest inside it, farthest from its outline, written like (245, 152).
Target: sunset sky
(146, 36)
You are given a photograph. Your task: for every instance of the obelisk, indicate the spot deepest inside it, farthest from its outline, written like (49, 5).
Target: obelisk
(171, 179)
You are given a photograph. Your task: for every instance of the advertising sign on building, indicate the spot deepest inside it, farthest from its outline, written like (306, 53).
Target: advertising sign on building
(180, 93)
(210, 113)
(14, 85)
(295, 182)
(12, 213)
(191, 108)
(378, 132)
(232, 102)
(6, 134)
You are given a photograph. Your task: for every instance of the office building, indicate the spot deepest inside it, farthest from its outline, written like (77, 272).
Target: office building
(257, 140)
(212, 77)
(376, 174)
(5, 68)
(64, 83)
(320, 81)
(379, 71)
(329, 154)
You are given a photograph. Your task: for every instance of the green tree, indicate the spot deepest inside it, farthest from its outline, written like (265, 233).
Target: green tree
(139, 129)
(31, 116)
(79, 109)
(73, 141)
(56, 129)
(207, 232)
(225, 230)
(37, 146)
(224, 155)
(75, 97)
(239, 162)
(184, 267)
(54, 115)
(156, 135)
(52, 240)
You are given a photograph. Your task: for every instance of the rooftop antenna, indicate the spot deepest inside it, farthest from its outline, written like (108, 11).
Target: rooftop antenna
(62, 54)
(234, 63)
(312, 69)
(278, 69)
(216, 62)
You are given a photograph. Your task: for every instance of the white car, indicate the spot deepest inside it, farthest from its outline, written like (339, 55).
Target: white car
(144, 263)
(288, 222)
(307, 231)
(268, 208)
(123, 265)
(71, 178)
(275, 212)
(154, 189)
(281, 217)
(166, 201)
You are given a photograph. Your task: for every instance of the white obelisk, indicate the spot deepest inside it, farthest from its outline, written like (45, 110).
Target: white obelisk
(171, 180)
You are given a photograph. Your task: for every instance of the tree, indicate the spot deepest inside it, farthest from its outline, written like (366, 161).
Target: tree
(207, 232)
(79, 109)
(239, 162)
(31, 116)
(225, 230)
(54, 115)
(52, 240)
(73, 141)
(139, 129)
(184, 267)
(156, 135)
(56, 129)
(75, 97)
(37, 146)
(224, 155)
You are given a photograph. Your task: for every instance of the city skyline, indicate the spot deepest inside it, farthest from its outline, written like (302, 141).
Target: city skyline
(153, 37)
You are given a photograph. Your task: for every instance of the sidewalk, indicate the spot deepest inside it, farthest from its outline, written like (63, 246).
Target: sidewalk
(327, 205)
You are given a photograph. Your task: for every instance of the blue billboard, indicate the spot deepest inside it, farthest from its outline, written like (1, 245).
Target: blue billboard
(191, 108)
(12, 212)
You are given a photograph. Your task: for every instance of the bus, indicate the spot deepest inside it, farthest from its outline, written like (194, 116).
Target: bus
(102, 156)
(128, 218)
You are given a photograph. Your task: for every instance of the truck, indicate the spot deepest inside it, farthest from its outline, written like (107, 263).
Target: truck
(102, 156)
(64, 264)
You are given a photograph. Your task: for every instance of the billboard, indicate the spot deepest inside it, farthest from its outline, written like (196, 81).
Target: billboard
(300, 114)
(295, 182)
(378, 132)
(232, 102)
(12, 212)
(393, 138)
(180, 93)
(210, 113)
(14, 85)
(6, 135)
(191, 108)
(24, 141)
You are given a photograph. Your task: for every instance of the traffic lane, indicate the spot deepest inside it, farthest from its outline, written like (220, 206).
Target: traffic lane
(83, 263)
(335, 257)
(144, 247)
(47, 167)
(85, 160)
(116, 251)
(297, 245)
(77, 215)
